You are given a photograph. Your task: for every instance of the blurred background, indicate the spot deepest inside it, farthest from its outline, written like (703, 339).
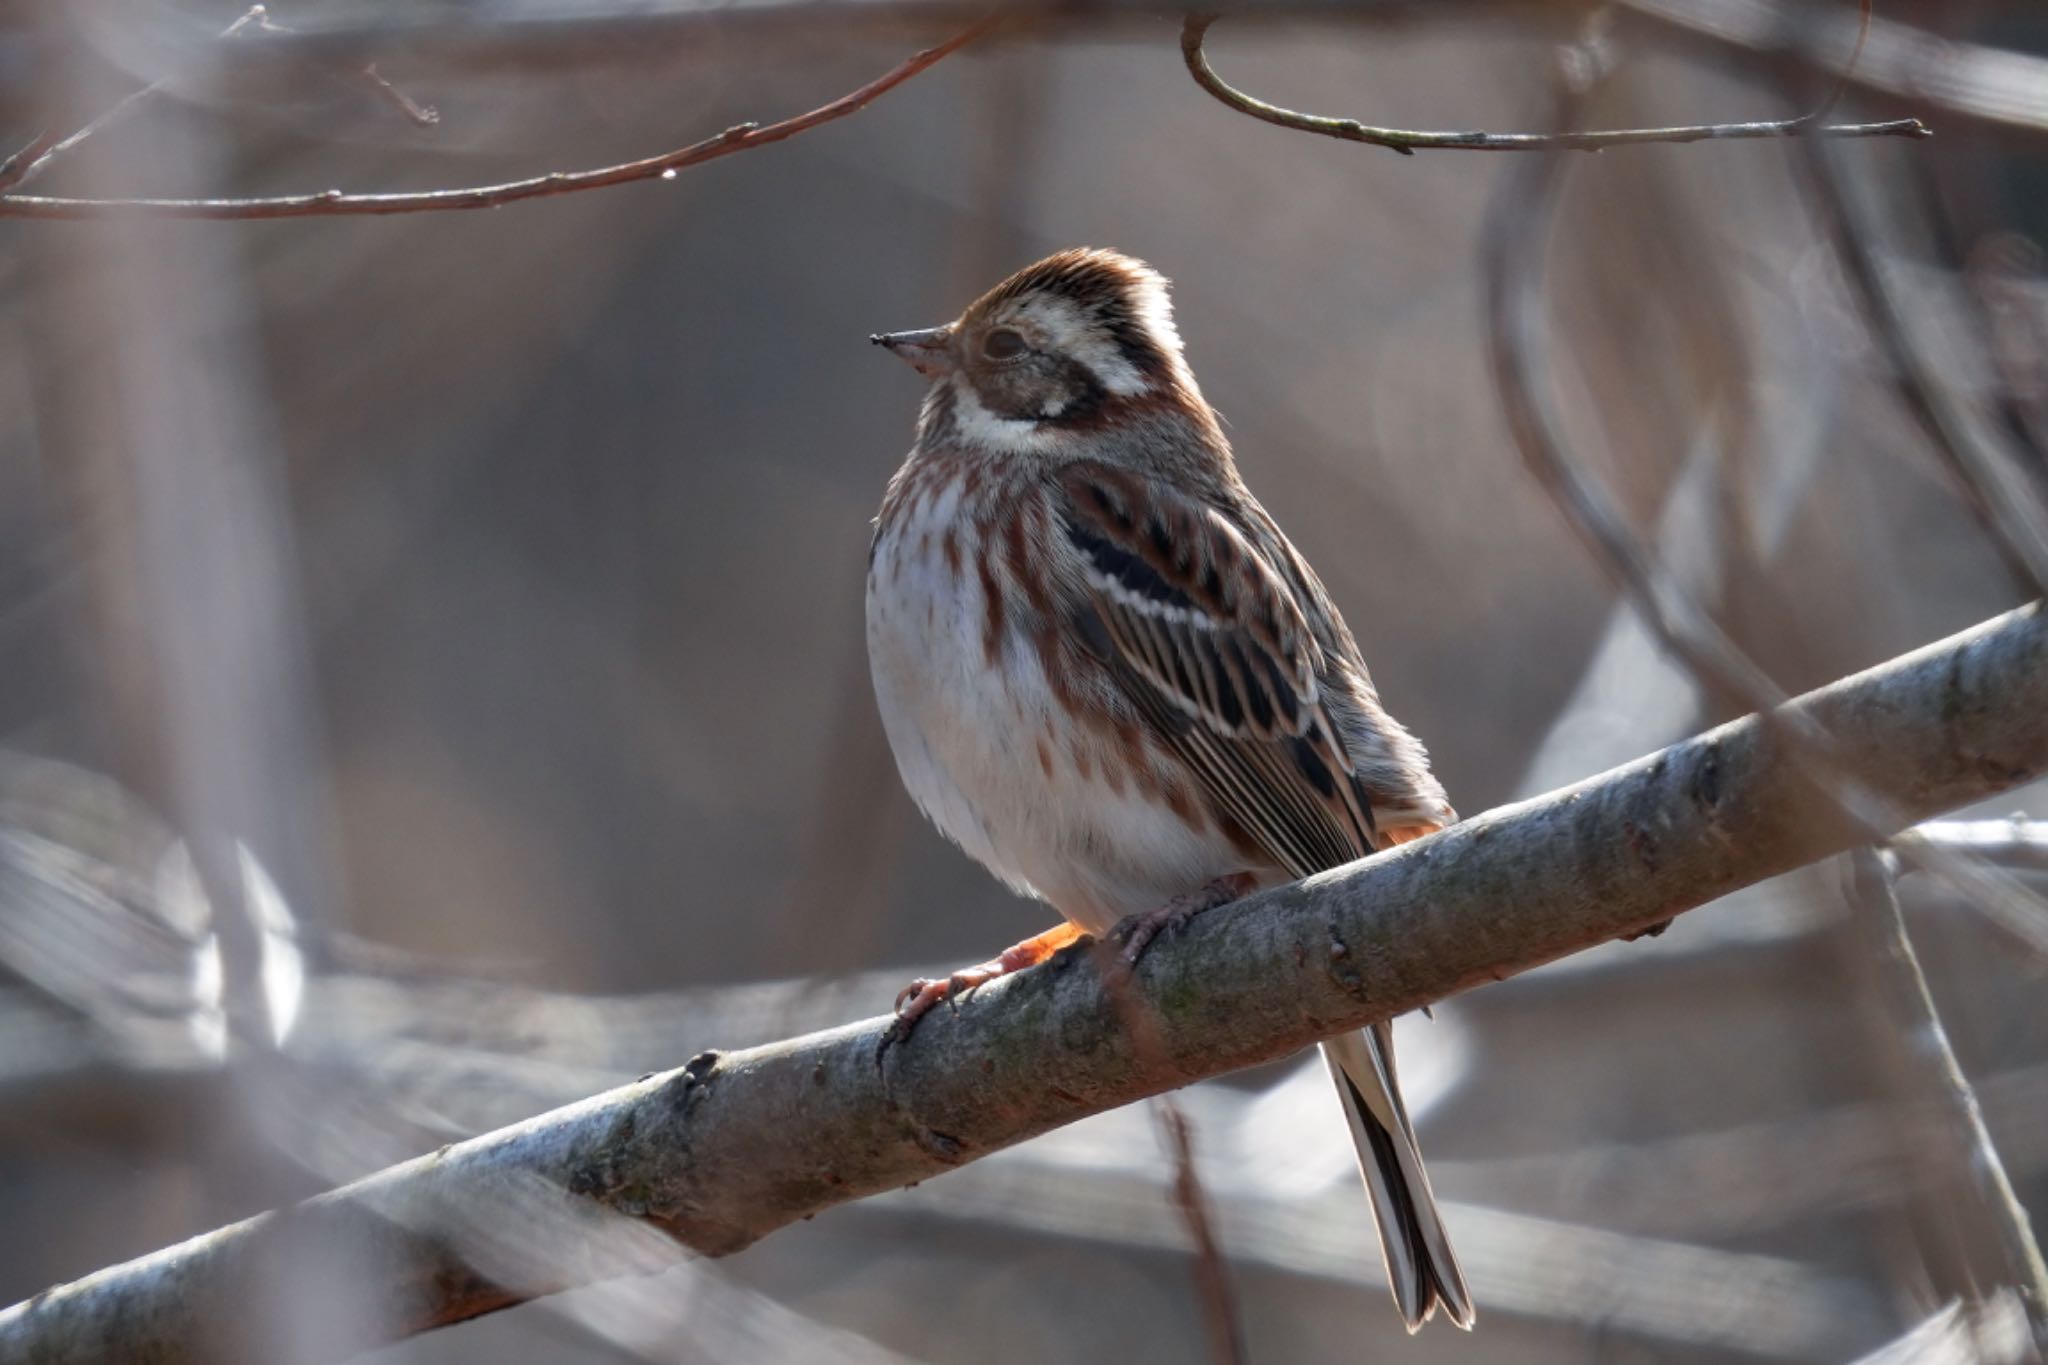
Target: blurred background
(483, 590)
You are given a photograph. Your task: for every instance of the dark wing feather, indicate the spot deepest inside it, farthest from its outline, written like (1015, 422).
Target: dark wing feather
(1211, 648)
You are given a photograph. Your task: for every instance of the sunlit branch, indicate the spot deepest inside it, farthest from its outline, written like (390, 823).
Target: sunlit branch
(733, 1146)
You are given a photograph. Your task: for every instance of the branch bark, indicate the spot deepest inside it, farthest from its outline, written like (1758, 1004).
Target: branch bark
(733, 1146)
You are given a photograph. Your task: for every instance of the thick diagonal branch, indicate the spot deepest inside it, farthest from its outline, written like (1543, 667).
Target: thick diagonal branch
(733, 1146)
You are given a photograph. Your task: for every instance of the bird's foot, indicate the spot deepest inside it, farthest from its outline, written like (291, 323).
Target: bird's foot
(921, 996)
(1136, 932)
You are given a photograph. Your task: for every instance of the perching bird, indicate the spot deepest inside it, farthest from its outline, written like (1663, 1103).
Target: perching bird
(1108, 676)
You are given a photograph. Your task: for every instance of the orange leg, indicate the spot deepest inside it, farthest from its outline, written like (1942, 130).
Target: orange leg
(916, 1000)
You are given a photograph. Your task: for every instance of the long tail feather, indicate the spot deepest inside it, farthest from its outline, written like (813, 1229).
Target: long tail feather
(1420, 1265)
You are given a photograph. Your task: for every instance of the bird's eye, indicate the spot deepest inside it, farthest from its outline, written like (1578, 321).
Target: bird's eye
(1003, 343)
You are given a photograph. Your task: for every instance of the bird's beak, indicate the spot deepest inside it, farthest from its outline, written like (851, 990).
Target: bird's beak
(927, 351)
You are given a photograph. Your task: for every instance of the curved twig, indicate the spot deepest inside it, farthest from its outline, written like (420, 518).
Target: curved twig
(1847, 72)
(335, 203)
(1409, 141)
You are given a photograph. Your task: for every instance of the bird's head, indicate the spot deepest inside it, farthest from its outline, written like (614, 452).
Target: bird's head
(1056, 351)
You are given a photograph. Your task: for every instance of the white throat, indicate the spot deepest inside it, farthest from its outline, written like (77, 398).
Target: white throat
(980, 427)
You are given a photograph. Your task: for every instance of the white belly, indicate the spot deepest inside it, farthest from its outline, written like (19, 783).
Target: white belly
(974, 743)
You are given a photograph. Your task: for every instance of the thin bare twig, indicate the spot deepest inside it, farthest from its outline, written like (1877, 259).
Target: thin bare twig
(424, 115)
(1949, 1123)
(336, 203)
(17, 168)
(1212, 1273)
(1409, 141)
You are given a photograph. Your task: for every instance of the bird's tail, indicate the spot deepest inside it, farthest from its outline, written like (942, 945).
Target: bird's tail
(1420, 1266)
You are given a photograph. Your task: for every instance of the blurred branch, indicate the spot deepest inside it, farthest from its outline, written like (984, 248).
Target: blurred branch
(1212, 1273)
(487, 34)
(2003, 276)
(733, 1146)
(1982, 82)
(2009, 88)
(1409, 141)
(1516, 239)
(335, 203)
(1999, 293)
(424, 115)
(2017, 843)
(51, 148)
(1737, 1183)
(1998, 493)
(1990, 1333)
(1971, 79)
(1945, 1120)
(1677, 1299)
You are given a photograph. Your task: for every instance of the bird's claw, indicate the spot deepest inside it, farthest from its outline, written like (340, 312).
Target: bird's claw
(923, 995)
(914, 994)
(1134, 933)
(918, 999)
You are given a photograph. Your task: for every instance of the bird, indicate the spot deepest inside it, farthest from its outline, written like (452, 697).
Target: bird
(1110, 678)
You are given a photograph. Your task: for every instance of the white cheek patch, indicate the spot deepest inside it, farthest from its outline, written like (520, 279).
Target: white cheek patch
(978, 426)
(1070, 332)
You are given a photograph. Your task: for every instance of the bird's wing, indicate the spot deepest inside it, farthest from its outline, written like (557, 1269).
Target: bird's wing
(1211, 647)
